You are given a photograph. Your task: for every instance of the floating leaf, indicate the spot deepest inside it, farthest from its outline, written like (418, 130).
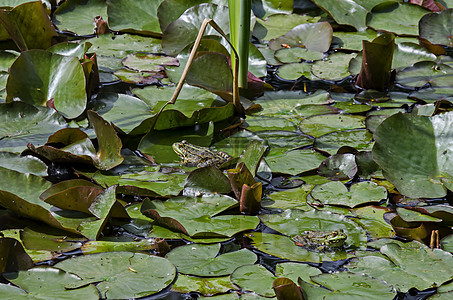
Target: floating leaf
(204, 260)
(122, 275)
(313, 36)
(295, 162)
(360, 139)
(78, 15)
(415, 154)
(339, 167)
(207, 286)
(23, 164)
(437, 27)
(37, 77)
(245, 277)
(322, 124)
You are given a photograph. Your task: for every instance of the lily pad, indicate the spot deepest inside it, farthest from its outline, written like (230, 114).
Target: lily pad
(78, 15)
(416, 156)
(36, 77)
(295, 162)
(337, 194)
(122, 275)
(245, 277)
(207, 286)
(339, 167)
(293, 71)
(322, 124)
(312, 36)
(278, 24)
(424, 72)
(294, 222)
(292, 55)
(360, 139)
(23, 164)
(46, 282)
(334, 68)
(203, 260)
(437, 27)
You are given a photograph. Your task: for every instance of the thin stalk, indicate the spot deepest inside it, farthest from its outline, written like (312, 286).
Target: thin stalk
(240, 11)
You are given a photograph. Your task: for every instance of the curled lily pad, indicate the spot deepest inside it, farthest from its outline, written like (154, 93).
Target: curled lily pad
(203, 260)
(122, 275)
(414, 153)
(36, 77)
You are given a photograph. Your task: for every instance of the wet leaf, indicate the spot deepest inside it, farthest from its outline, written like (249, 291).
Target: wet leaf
(437, 27)
(245, 277)
(204, 260)
(122, 275)
(14, 257)
(92, 247)
(36, 77)
(339, 167)
(207, 180)
(416, 155)
(313, 36)
(78, 15)
(322, 124)
(278, 24)
(48, 282)
(295, 162)
(207, 286)
(334, 67)
(360, 139)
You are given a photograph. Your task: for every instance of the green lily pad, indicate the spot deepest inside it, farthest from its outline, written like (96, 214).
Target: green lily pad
(134, 16)
(92, 247)
(322, 124)
(182, 32)
(292, 198)
(28, 25)
(353, 40)
(46, 282)
(23, 164)
(278, 24)
(293, 222)
(399, 18)
(312, 36)
(284, 247)
(336, 193)
(203, 260)
(144, 62)
(14, 258)
(262, 123)
(372, 219)
(119, 46)
(407, 54)
(437, 27)
(409, 215)
(293, 71)
(292, 55)
(246, 278)
(122, 275)
(285, 139)
(345, 285)
(360, 139)
(295, 162)
(406, 265)
(424, 72)
(339, 167)
(294, 271)
(77, 49)
(334, 68)
(206, 180)
(413, 152)
(135, 77)
(36, 77)
(207, 286)
(78, 15)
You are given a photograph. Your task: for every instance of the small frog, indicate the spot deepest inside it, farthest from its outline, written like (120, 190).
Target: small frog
(321, 240)
(197, 156)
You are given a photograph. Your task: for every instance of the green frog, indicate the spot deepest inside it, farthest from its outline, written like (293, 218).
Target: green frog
(321, 240)
(197, 156)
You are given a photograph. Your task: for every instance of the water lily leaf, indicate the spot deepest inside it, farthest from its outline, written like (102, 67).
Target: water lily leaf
(145, 62)
(345, 285)
(278, 24)
(24, 123)
(28, 25)
(407, 54)
(206, 180)
(293, 271)
(48, 282)
(416, 141)
(207, 286)
(135, 77)
(406, 265)
(322, 124)
(285, 139)
(78, 15)
(313, 36)
(182, 32)
(206, 261)
(293, 222)
(253, 155)
(352, 13)
(23, 164)
(399, 18)
(245, 277)
(437, 28)
(444, 212)
(372, 219)
(447, 243)
(409, 215)
(360, 139)
(295, 162)
(292, 55)
(339, 167)
(267, 7)
(14, 257)
(334, 68)
(92, 247)
(292, 198)
(119, 46)
(424, 72)
(352, 40)
(293, 71)
(109, 152)
(35, 240)
(122, 275)
(337, 194)
(211, 71)
(260, 123)
(77, 49)
(36, 77)
(134, 16)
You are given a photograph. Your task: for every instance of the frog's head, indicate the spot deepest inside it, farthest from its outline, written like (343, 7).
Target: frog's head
(336, 239)
(180, 148)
